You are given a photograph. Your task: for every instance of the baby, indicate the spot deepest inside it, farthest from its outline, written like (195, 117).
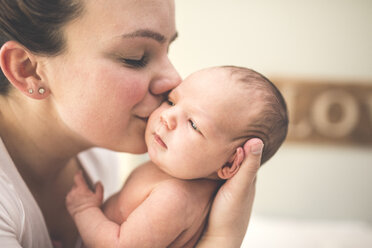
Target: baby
(194, 141)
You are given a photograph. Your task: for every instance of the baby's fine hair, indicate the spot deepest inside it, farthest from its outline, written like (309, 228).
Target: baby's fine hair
(271, 126)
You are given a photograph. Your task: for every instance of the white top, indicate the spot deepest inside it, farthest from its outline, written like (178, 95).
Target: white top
(21, 221)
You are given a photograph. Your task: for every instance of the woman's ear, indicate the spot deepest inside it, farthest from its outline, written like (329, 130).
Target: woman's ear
(19, 66)
(230, 168)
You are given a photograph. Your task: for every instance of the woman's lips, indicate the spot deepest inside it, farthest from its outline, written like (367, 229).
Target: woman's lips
(160, 141)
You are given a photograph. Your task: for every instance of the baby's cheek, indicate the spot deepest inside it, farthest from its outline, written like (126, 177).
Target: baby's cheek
(184, 156)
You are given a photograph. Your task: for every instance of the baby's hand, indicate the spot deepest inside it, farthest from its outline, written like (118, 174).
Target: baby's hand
(81, 197)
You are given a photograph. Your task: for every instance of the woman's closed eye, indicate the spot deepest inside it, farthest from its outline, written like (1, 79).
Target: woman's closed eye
(136, 63)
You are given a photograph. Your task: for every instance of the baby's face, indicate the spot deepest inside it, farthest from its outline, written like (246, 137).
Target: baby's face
(197, 130)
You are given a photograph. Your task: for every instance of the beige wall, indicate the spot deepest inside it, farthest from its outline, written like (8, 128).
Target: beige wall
(319, 38)
(307, 39)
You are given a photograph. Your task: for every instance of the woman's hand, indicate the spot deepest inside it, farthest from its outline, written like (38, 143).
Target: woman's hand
(81, 197)
(232, 206)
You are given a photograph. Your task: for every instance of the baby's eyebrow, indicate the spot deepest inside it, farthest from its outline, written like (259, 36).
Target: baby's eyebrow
(174, 93)
(203, 118)
(207, 123)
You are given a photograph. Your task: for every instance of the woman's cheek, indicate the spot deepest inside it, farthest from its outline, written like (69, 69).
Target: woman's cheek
(130, 92)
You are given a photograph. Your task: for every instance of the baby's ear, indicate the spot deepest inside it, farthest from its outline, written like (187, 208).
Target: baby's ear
(230, 168)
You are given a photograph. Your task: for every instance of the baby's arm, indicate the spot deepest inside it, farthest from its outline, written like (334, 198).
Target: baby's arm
(155, 223)
(84, 207)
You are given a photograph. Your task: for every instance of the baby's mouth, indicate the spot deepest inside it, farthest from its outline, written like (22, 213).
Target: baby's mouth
(160, 141)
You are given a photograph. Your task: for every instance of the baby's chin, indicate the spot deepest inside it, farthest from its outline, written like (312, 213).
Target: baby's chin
(147, 143)
(152, 155)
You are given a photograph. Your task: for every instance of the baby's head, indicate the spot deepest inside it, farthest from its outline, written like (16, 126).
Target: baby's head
(200, 130)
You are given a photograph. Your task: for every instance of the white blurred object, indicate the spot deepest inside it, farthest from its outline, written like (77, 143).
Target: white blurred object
(129, 163)
(264, 232)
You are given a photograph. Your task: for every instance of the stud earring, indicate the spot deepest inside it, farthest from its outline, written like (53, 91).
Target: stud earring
(41, 90)
(30, 91)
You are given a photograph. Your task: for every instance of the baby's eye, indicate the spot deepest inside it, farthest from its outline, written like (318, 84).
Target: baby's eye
(193, 125)
(169, 102)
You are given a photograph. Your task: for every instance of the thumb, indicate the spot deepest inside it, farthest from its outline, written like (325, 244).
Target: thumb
(250, 165)
(99, 190)
(253, 152)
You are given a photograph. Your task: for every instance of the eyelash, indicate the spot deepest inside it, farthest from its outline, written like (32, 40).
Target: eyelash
(140, 63)
(193, 126)
(169, 102)
(192, 123)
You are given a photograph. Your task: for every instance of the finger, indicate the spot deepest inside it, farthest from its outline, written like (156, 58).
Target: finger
(99, 190)
(250, 165)
(253, 151)
(79, 180)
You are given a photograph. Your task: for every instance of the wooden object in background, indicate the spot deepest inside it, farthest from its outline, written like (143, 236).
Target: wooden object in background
(328, 112)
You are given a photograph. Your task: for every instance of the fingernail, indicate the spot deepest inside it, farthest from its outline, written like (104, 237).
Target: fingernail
(256, 148)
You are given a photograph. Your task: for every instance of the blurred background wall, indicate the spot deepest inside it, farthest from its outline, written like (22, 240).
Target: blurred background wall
(319, 40)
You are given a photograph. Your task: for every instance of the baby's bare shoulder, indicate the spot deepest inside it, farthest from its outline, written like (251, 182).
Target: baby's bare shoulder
(174, 189)
(189, 193)
(187, 202)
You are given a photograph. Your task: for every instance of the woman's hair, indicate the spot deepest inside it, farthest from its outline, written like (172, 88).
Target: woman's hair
(37, 25)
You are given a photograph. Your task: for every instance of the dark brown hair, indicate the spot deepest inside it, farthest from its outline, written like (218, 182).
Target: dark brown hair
(271, 126)
(37, 25)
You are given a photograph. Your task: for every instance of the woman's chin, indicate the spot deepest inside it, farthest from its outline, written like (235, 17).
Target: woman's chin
(137, 150)
(134, 148)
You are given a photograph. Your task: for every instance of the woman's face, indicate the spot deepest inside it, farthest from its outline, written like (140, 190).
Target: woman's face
(114, 71)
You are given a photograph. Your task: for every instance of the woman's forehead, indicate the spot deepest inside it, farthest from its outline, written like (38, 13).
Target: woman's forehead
(108, 19)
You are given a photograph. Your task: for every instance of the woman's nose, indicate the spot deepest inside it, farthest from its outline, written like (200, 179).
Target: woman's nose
(167, 79)
(168, 119)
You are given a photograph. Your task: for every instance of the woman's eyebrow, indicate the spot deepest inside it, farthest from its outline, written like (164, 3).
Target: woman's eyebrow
(147, 33)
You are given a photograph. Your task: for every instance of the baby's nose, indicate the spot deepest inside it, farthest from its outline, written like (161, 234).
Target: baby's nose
(168, 120)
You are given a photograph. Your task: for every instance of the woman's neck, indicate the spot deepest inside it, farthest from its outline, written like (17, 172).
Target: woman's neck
(36, 140)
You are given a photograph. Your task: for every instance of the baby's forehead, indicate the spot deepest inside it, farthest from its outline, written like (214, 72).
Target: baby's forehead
(231, 103)
(235, 117)
(241, 101)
